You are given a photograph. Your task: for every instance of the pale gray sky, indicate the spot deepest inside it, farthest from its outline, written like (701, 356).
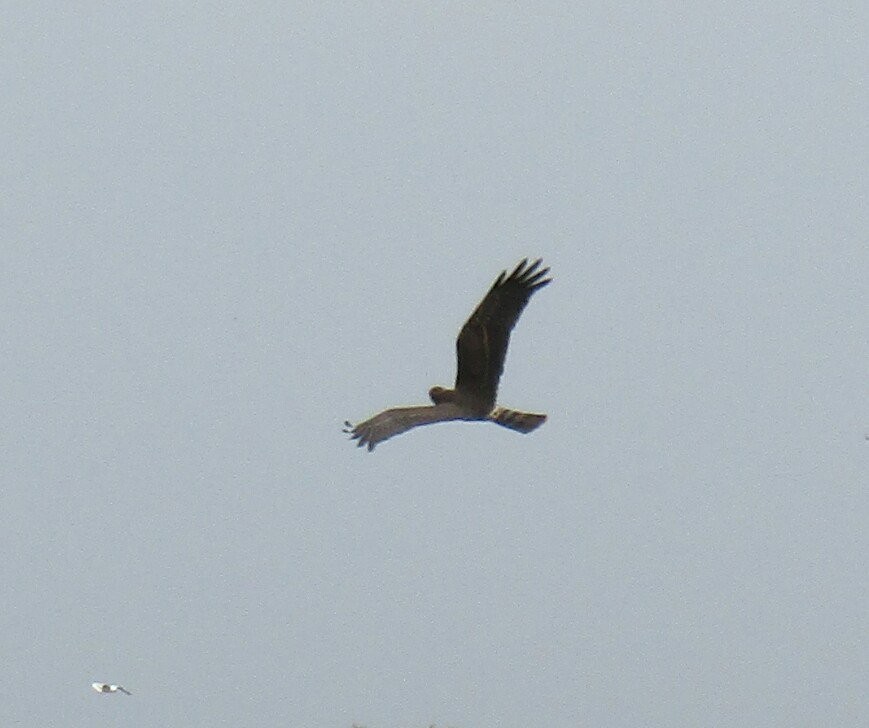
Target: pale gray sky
(224, 231)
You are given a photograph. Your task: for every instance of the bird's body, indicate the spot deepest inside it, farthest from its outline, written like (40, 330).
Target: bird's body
(481, 349)
(106, 688)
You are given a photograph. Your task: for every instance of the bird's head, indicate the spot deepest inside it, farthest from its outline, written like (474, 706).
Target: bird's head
(439, 395)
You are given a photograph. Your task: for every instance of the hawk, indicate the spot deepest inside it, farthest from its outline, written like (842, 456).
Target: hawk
(480, 349)
(105, 688)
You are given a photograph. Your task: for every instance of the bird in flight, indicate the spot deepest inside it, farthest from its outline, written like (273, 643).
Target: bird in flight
(480, 349)
(105, 688)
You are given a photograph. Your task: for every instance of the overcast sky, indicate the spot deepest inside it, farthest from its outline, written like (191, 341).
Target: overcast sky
(224, 231)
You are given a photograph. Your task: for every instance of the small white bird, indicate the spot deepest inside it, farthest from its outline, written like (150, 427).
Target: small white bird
(105, 688)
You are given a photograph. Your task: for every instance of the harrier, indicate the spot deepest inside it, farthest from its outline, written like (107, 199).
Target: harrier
(481, 349)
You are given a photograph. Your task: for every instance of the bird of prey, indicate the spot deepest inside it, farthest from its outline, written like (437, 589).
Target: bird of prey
(480, 349)
(105, 688)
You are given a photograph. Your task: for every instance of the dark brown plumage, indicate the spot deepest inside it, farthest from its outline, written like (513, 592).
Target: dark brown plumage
(482, 344)
(481, 349)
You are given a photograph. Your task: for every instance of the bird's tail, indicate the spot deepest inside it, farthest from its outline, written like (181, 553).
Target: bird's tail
(523, 422)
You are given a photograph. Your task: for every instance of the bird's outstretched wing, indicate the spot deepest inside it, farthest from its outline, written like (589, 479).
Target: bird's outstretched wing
(124, 690)
(394, 421)
(482, 344)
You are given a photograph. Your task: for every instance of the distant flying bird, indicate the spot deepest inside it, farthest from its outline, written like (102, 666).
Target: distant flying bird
(104, 688)
(481, 349)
